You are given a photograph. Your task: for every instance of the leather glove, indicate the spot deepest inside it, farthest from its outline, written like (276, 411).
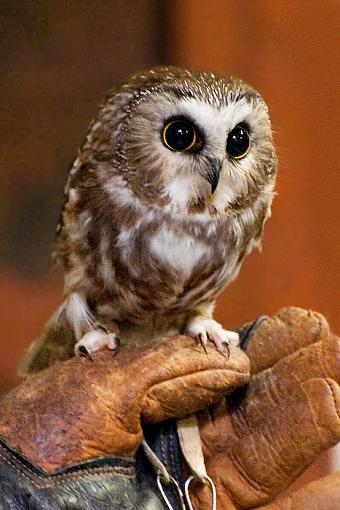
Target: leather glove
(71, 432)
(259, 440)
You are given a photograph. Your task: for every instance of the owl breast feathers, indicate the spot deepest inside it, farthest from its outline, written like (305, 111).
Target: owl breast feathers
(169, 191)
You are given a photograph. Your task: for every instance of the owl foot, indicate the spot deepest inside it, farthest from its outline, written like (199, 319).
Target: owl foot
(207, 329)
(95, 341)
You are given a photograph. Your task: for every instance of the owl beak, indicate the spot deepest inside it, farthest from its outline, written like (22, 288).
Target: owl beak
(212, 173)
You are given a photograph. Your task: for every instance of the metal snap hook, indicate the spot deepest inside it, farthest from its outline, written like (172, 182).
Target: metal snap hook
(202, 480)
(170, 481)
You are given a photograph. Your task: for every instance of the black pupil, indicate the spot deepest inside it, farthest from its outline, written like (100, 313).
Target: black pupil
(238, 142)
(179, 135)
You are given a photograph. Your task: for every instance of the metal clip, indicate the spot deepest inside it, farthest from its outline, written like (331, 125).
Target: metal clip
(170, 481)
(206, 479)
(163, 476)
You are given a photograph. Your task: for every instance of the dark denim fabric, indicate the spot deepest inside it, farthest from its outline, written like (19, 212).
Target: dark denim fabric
(163, 440)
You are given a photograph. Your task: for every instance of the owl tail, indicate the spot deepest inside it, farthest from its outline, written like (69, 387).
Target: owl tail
(56, 343)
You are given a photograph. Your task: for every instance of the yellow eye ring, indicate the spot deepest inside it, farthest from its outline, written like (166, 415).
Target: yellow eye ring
(179, 135)
(238, 142)
(244, 154)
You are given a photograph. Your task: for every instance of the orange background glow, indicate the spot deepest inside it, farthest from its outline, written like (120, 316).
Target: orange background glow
(54, 78)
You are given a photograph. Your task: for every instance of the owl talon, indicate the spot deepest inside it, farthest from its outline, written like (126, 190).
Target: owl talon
(203, 342)
(95, 341)
(84, 353)
(207, 329)
(222, 346)
(118, 343)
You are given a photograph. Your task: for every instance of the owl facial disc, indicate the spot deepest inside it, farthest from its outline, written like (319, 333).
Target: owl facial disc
(212, 174)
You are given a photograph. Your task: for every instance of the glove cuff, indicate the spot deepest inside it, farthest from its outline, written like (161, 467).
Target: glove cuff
(247, 331)
(96, 483)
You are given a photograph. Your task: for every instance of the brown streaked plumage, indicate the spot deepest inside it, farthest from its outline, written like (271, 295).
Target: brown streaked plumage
(150, 235)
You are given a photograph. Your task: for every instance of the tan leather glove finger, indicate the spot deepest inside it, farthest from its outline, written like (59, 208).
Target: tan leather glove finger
(323, 494)
(275, 385)
(266, 460)
(269, 387)
(284, 333)
(258, 442)
(80, 409)
(207, 377)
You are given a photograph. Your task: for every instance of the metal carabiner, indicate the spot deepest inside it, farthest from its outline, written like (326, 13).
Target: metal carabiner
(172, 481)
(205, 479)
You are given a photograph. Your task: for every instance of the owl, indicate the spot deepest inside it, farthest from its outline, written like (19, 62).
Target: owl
(167, 195)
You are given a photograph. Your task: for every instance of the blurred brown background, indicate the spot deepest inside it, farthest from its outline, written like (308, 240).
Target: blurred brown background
(57, 61)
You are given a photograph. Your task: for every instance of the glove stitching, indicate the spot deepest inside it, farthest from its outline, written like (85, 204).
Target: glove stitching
(58, 475)
(171, 452)
(60, 478)
(162, 446)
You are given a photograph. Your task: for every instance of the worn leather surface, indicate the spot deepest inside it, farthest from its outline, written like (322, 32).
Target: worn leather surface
(71, 433)
(80, 409)
(323, 494)
(98, 484)
(259, 440)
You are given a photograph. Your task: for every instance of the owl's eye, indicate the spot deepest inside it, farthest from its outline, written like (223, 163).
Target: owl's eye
(179, 135)
(238, 143)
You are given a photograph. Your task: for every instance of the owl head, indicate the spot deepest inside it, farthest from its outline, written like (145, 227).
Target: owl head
(195, 140)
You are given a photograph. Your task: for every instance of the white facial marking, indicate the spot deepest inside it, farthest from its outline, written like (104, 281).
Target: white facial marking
(182, 178)
(223, 195)
(182, 188)
(217, 122)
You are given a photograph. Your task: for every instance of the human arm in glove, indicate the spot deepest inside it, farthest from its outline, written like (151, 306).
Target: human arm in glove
(71, 434)
(257, 442)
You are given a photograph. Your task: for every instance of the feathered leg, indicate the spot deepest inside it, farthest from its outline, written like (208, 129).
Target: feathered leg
(203, 327)
(69, 329)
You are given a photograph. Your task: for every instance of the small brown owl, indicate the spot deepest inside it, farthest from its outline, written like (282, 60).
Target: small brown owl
(169, 192)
